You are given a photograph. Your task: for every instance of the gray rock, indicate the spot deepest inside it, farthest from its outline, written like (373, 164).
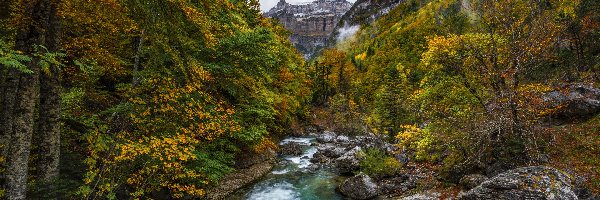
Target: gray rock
(332, 151)
(310, 24)
(537, 182)
(360, 186)
(364, 139)
(313, 167)
(472, 180)
(326, 137)
(342, 139)
(349, 162)
(292, 149)
(397, 185)
(318, 157)
(573, 101)
(430, 195)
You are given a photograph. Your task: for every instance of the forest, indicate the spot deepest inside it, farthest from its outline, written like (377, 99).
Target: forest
(167, 99)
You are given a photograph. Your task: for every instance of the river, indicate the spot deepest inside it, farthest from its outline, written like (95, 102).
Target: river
(293, 179)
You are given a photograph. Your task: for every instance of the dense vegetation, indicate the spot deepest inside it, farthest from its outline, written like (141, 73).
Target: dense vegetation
(155, 95)
(147, 99)
(458, 84)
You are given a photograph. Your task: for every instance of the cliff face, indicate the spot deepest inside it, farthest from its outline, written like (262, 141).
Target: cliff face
(362, 12)
(311, 24)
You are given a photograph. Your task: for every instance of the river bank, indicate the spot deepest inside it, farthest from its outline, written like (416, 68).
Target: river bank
(327, 165)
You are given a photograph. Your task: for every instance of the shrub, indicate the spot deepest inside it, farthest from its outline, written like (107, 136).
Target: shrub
(377, 163)
(421, 141)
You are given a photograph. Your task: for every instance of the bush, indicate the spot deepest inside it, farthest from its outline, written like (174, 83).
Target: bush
(377, 163)
(421, 141)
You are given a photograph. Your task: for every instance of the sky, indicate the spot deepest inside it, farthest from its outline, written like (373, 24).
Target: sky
(265, 5)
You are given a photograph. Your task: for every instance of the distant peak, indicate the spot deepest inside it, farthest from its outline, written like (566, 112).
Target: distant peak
(281, 3)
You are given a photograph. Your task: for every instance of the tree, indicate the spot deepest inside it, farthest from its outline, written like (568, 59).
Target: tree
(210, 78)
(329, 76)
(48, 123)
(473, 81)
(37, 29)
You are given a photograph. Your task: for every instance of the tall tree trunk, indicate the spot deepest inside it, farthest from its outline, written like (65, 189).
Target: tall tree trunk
(23, 90)
(136, 62)
(19, 127)
(48, 129)
(5, 118)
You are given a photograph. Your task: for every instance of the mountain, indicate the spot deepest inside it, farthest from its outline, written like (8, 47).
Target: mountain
(311, 24)
(362, 12)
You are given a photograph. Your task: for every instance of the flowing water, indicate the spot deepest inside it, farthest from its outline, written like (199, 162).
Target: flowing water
(294, 180)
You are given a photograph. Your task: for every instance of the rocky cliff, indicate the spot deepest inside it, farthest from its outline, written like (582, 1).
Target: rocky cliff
(362, 12)
(312, 23)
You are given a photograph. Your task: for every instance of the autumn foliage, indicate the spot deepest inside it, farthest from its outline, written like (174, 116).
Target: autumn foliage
(459, 83)
(159, 96)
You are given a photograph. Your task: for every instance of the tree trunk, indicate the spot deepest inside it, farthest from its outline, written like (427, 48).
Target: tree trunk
(20, 128)
(23, 89)
(5, 118)
(136, 61)
(48, 129)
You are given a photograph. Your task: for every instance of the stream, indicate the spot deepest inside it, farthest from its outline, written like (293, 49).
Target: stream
(293, 178)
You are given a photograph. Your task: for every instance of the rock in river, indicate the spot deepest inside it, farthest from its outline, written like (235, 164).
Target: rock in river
(326, 137)
(360, 186)
(349, 162)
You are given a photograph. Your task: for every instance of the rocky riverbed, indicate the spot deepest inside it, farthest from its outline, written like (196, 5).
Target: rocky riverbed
(322, 166)
(327, 166)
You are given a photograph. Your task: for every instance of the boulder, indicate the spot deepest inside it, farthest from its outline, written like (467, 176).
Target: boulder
(472, 180)
(536, 182)
(360, 186)
(397, 185)
(326, 137)
(318, 157)
(292, 149)
(573, 101)
(332, 151)
(313, 168)
(349, 162)
(342, 139)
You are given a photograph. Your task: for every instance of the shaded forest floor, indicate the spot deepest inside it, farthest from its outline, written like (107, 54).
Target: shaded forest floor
(577, 150)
